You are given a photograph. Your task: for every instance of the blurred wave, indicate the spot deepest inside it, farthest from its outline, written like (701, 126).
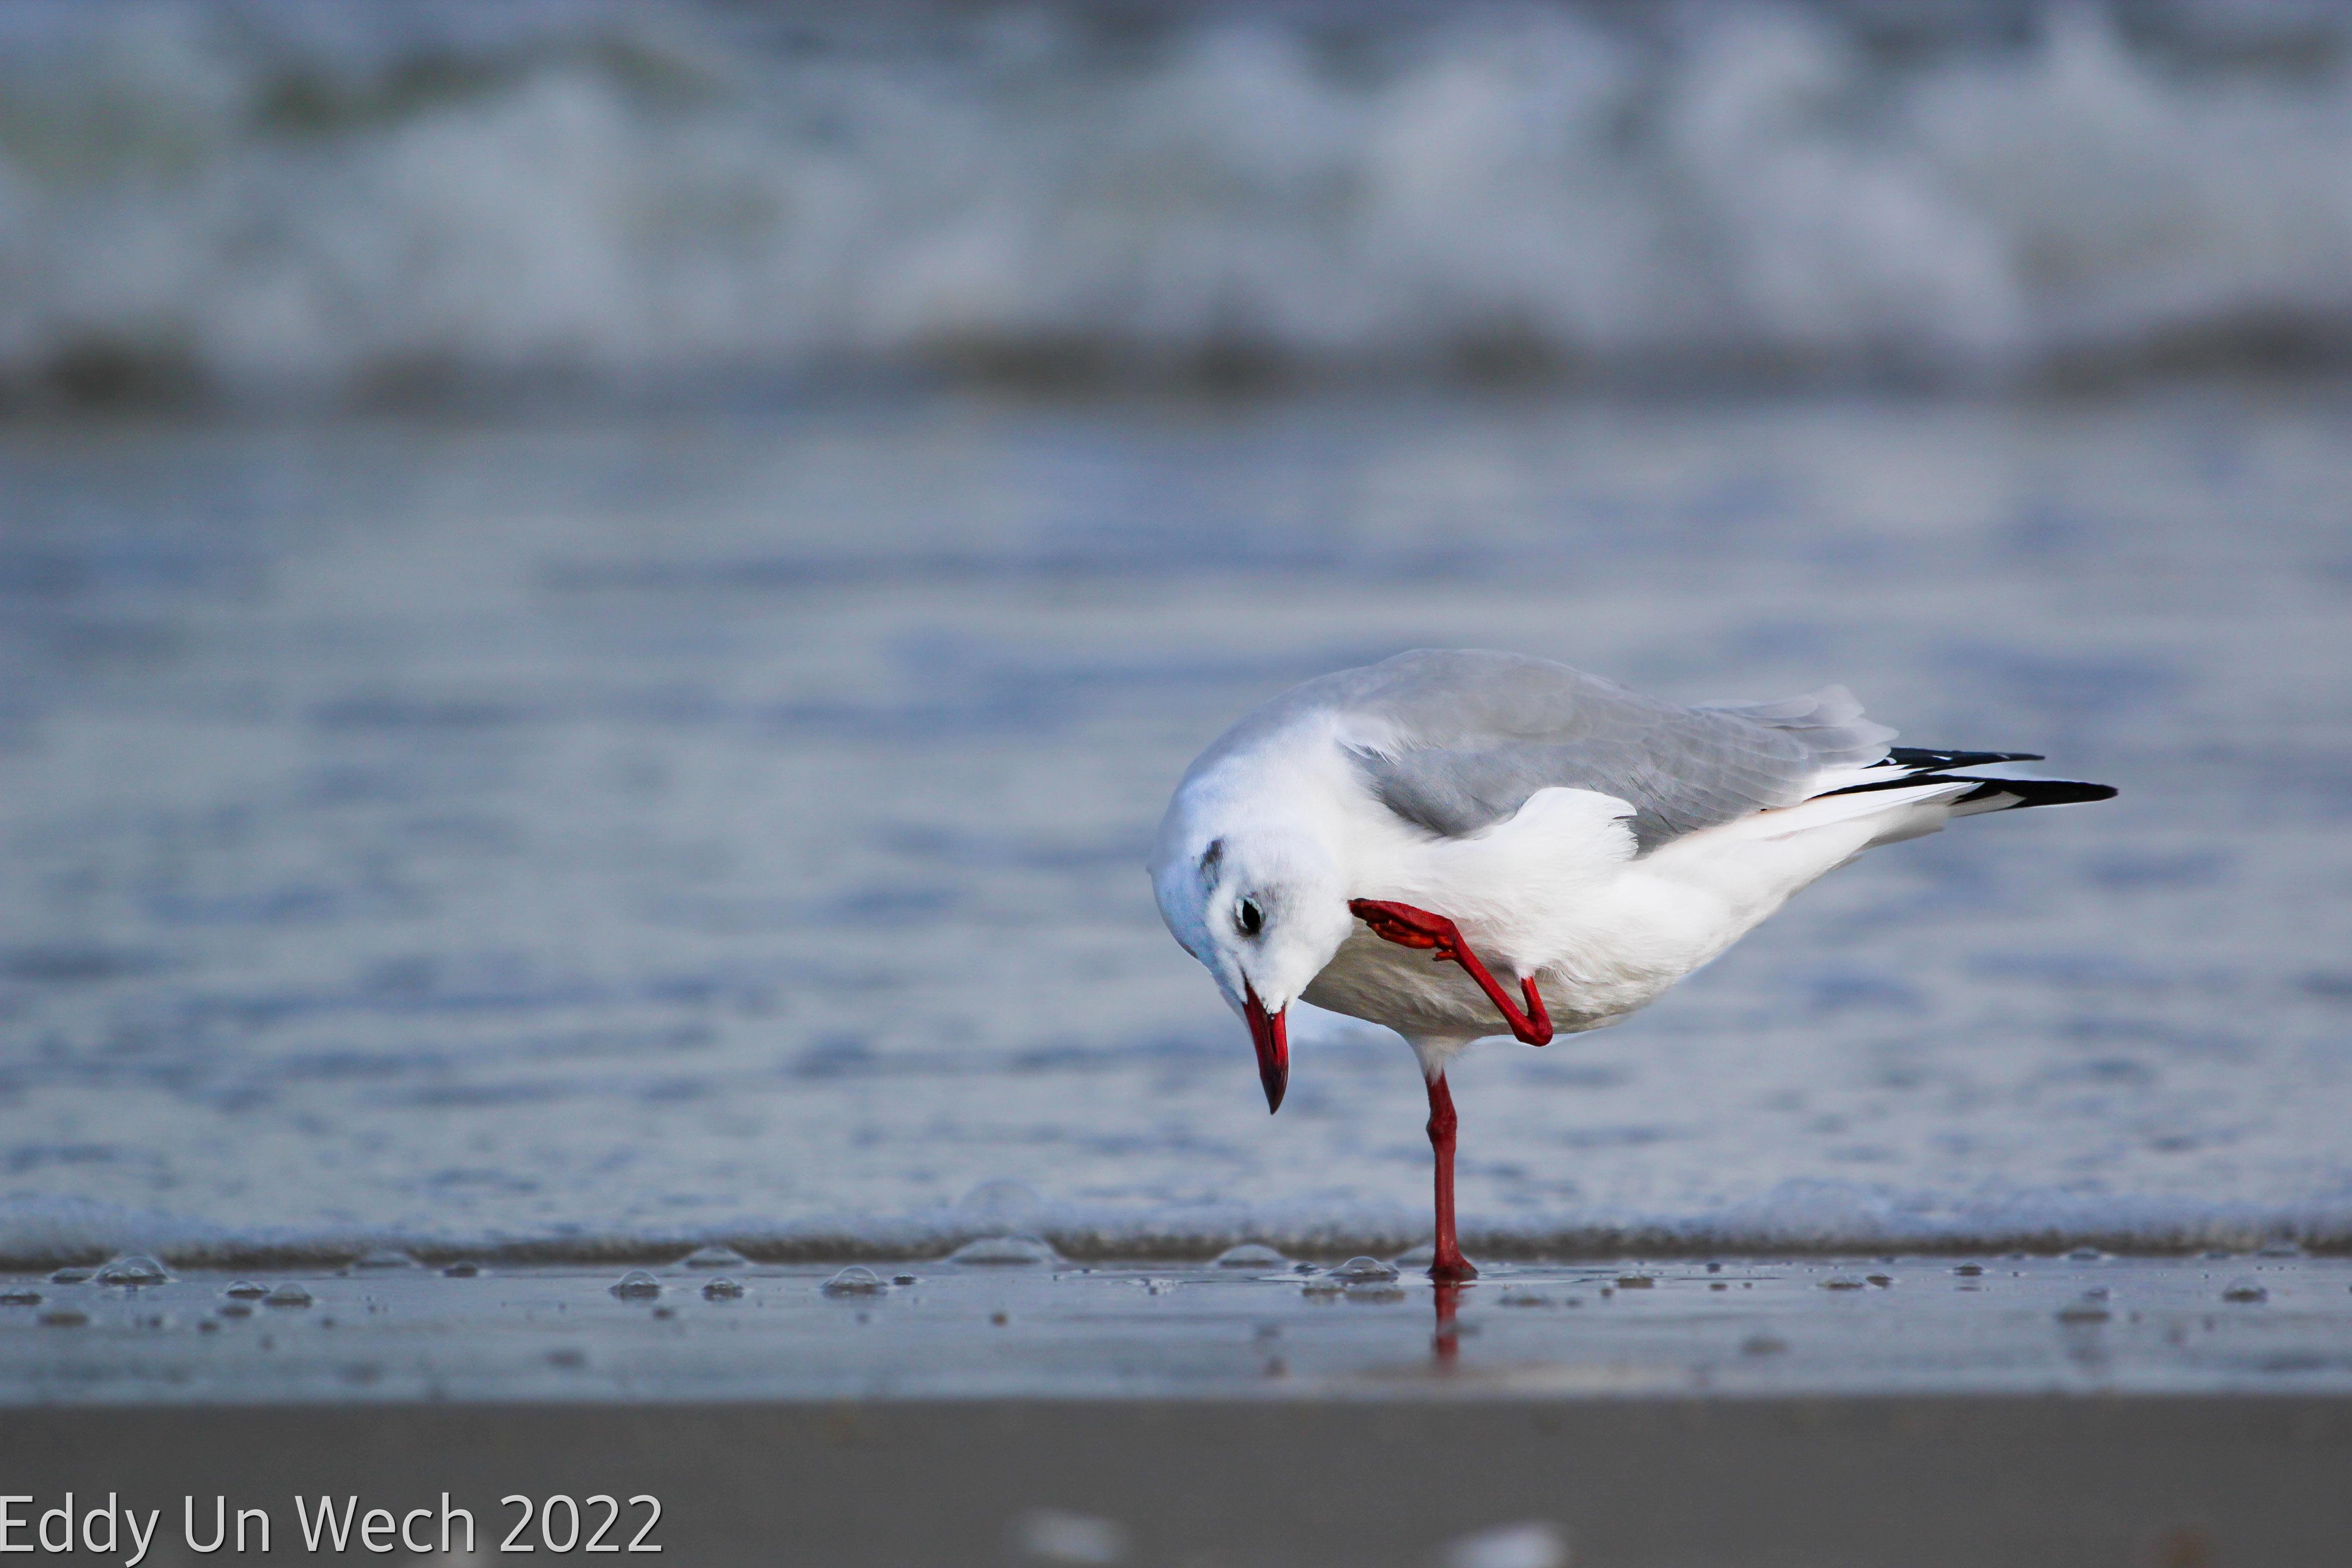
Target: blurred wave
(395, 201)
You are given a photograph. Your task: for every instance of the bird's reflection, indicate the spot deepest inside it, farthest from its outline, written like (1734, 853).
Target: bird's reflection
(1445, 1344)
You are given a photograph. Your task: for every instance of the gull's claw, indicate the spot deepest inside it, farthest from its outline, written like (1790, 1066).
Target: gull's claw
(1410, 927)
(1407, 927)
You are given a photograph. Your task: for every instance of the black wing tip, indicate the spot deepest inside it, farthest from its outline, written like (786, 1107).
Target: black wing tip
(1921, 765)
(2028, 791)
(1926, 759)
(2036, 791)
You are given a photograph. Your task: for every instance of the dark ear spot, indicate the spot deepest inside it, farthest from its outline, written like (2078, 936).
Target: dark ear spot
(1211, 858)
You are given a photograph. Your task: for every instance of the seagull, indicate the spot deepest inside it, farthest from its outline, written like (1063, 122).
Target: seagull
(1463, 843)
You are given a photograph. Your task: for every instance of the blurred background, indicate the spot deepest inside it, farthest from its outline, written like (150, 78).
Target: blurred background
(597, 602)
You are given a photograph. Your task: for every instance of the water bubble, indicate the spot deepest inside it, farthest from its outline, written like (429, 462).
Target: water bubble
(1533, 1544)
(1842, 1282)
(1881, 1281)
(1636, 1283)
(1004, 1252)
(856, 1280)
(637, 1285)
(20, 1296)
(1050, 1535)
(1362, 1270)
(722, 1289)
(2085, 1254)
(288, 1295)
(64, 1318)
(71, 1275)
(245, 1291)
(2248, 1290)
(461, 1271)
(715, 1258)
(1002, 1203)
(132, 1268)
(2282, 1247)
(385, 1257)
(1251, 1254)
(2087, 1309)
(904, 1279)
(1968, 1271)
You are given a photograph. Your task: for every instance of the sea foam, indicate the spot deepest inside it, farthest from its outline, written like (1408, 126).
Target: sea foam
(394, 201)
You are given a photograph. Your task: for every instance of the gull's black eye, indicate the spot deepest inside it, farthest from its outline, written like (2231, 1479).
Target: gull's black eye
(1249, 917)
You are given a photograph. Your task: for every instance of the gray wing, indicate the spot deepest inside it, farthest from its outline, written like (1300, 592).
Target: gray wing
(1477, 732)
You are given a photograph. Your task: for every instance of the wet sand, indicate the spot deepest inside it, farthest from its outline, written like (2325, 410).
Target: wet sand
(1918, 1410)
(1920, 1481)
(1279, 1331)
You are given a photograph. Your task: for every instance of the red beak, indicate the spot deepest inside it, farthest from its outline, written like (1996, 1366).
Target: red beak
(1271, 1034)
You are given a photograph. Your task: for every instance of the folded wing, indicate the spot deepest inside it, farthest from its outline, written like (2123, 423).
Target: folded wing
(1453, 741)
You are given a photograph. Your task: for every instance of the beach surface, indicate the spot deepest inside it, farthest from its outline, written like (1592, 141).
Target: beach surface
(1966, 1481)
(999, 1321)
(1994, 1410)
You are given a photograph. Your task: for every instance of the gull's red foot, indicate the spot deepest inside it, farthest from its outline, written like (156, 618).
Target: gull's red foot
(1410, 927)
(1451, 1268)
(1407, 927)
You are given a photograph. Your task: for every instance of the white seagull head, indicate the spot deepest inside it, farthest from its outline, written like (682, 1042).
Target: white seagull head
(1260, 902)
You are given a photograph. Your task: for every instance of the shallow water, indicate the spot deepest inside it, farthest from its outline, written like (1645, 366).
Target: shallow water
(591, 836)
(932, 1329)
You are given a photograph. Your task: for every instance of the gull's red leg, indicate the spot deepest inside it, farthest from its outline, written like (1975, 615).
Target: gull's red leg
(1448, 1266)
(1410, 927)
